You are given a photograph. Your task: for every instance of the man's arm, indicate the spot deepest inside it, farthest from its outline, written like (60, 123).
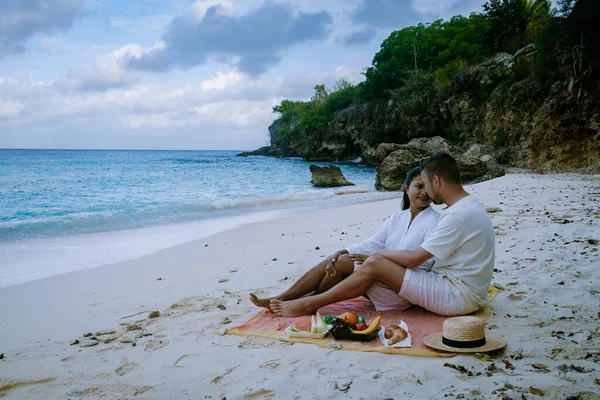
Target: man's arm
(406, 258)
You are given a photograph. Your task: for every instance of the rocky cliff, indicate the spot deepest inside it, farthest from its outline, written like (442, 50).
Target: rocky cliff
(554, 128)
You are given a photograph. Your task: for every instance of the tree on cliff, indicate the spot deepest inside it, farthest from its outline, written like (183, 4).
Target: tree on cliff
(569, 47)
(320, 95)
(515, 23)
(424, 47)
(285, 106)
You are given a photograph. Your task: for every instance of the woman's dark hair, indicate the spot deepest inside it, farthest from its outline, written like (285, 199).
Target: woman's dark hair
(416, 171)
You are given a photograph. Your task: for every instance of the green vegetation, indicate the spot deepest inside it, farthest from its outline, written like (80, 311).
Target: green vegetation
(419, 64)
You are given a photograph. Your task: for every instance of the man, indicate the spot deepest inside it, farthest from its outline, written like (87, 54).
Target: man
(462, 244)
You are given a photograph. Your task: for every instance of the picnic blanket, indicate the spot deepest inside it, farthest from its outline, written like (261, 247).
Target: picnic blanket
(420, 323)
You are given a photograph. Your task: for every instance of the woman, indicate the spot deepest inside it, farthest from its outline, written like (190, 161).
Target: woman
(405, 230)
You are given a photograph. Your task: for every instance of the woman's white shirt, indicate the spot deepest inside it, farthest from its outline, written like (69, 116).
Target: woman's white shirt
(396, 234)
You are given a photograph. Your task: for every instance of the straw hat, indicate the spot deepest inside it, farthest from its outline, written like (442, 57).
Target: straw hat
(464, 335)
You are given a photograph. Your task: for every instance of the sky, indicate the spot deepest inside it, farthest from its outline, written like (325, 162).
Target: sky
(181, 74)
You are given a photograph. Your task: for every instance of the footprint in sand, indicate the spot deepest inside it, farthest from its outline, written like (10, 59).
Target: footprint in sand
(259, 394)
(273, 364)
(154, 344)
(8, 385)
(126, 367)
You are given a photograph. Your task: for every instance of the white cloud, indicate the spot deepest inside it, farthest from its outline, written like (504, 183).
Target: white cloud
(225, 110)
(221, 80)
(10, 108)
(108, 72)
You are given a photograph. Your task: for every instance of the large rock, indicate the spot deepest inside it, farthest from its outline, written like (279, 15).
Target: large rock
(431, 146)
(471, 168)
(478, 151)
(385, 149)
(393, 169)
(494, 169)
(328, 176)
(391, 173)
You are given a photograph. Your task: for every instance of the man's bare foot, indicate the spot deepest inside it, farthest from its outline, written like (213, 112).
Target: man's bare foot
(292, 308)
(264, 303)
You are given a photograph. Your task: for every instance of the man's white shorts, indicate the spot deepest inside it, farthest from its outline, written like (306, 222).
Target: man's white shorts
(427, 289)
(436, 293)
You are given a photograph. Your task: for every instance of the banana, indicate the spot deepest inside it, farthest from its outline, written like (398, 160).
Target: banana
(372, 328)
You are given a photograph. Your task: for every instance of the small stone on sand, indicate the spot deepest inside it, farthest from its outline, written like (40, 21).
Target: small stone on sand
(108, 339)
(88, 343)
(106, 332)
(133, 327)
(76, 391)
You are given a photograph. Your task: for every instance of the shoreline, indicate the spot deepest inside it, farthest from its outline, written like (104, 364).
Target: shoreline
(547, 267)
(64, 254)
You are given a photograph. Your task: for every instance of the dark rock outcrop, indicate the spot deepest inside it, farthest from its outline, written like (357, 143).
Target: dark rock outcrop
(471, 168)
(330, 176)
(263, 151)
(494, 168)
(384, 150)
(478, 151)
(392, 171)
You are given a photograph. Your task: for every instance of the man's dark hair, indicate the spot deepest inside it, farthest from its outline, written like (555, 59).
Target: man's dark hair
(442, 165)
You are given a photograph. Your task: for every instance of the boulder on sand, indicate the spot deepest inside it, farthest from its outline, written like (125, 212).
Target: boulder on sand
(471, 168)
(328, 176)
(391, 173)
(392, 170)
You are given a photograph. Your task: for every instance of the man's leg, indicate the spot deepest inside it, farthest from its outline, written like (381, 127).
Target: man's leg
(314, 281)
(374, 269)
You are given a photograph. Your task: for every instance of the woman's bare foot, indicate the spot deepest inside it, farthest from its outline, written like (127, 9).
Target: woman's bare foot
(264, 303)
(292, 308)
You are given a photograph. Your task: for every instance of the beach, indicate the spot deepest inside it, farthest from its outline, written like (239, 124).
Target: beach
(547, 258)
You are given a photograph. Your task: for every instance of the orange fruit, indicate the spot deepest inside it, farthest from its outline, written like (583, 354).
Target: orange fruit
(351, 318)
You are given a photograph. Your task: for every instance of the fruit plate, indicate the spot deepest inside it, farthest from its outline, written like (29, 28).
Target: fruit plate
(304, 334)
(361, 337)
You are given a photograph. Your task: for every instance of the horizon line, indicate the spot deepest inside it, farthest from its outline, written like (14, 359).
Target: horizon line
(109, 149)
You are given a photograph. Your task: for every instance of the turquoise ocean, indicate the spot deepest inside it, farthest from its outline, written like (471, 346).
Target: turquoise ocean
(66, 210)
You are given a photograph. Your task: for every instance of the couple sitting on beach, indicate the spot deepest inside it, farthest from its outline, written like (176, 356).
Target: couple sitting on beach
(441, 263)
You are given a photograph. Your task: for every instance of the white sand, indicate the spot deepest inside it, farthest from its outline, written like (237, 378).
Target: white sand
(550, 272)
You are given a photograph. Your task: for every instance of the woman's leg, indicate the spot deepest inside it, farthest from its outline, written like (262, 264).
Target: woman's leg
(374, 269)
(313, 282)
